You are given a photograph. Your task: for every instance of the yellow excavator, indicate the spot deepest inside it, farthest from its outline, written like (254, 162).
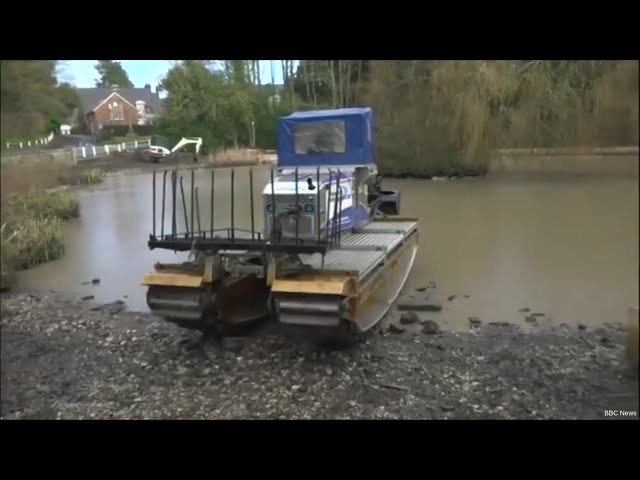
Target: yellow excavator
(159, 148)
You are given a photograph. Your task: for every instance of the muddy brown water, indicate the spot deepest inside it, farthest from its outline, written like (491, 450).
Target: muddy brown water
(567, 248)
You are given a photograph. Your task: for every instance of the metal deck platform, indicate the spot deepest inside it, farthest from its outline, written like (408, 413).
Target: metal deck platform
(361, 252)
(363, 275)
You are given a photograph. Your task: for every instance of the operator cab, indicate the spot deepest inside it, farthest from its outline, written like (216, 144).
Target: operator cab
(159, 145)
(326, 173)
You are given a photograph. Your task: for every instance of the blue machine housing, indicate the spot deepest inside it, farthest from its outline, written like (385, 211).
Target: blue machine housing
(322, 146)
(352, 210)
(326, 138)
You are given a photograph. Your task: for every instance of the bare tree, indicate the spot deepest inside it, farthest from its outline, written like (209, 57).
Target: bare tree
(332, 82)
(285, 70)
(292, 76)
(314, 77)
(340, 83)
(348, 84)
(257, 67)
(306, 78)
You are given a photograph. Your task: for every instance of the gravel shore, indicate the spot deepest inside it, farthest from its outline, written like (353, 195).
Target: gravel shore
(67, 359)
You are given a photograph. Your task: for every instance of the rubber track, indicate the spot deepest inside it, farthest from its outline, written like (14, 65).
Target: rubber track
(343, 335)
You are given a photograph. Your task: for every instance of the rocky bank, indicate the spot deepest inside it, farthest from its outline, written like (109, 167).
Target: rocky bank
(64, 358)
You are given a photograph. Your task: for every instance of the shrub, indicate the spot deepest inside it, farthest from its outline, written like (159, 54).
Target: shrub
(40, 204)
(108, 133)
(34, 241)
(6, 257)
(31, 233)
(92, 177)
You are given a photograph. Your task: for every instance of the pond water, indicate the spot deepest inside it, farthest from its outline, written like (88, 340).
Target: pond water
(564, 247)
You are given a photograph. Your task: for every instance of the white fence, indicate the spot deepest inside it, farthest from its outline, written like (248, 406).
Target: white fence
(30, 143)
(95, 151)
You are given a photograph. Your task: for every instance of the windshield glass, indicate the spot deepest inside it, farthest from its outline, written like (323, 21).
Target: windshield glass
(319, 137)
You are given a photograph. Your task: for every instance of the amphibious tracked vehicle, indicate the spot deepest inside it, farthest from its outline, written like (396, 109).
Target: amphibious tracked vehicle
(325, 249)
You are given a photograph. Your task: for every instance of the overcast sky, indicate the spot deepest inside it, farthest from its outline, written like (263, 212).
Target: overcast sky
(83, 74)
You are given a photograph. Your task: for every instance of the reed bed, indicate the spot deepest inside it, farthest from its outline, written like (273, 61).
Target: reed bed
(41, 204)
(92, 177)
(447, 116)
(31, 232)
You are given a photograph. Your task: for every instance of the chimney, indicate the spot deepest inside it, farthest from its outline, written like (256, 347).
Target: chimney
(147, 87)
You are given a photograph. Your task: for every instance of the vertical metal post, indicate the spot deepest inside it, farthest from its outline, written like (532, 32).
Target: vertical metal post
(356, 198)
(318, 201)
(273, 204)
(184, 205)
(335, 210)
(251, 202)
(164, 194)
(213, 183)
(340, 214)
(328, 207)
(198, 213)
(192, 194)
(297, 205)
(233, 176)
(154, 204)
(174, 183)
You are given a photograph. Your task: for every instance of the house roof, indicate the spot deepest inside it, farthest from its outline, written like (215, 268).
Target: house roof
(92, 97)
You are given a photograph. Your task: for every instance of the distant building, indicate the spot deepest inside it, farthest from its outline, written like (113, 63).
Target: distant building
(114, 106)
(65, 129)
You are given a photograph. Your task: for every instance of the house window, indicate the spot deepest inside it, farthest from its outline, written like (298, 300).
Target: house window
(319, 137)
(117, 111)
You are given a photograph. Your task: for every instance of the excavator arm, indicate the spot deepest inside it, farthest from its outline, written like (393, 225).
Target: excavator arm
(155, 152)
(187, 141)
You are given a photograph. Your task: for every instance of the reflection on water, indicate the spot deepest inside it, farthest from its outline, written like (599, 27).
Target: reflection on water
(567, 248)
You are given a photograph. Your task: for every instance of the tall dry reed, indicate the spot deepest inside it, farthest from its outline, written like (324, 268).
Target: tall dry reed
(31, 242)
(448, 115)
(40, 204)
(31, 233)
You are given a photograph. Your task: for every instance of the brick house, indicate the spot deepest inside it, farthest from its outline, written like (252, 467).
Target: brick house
(114, 106)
